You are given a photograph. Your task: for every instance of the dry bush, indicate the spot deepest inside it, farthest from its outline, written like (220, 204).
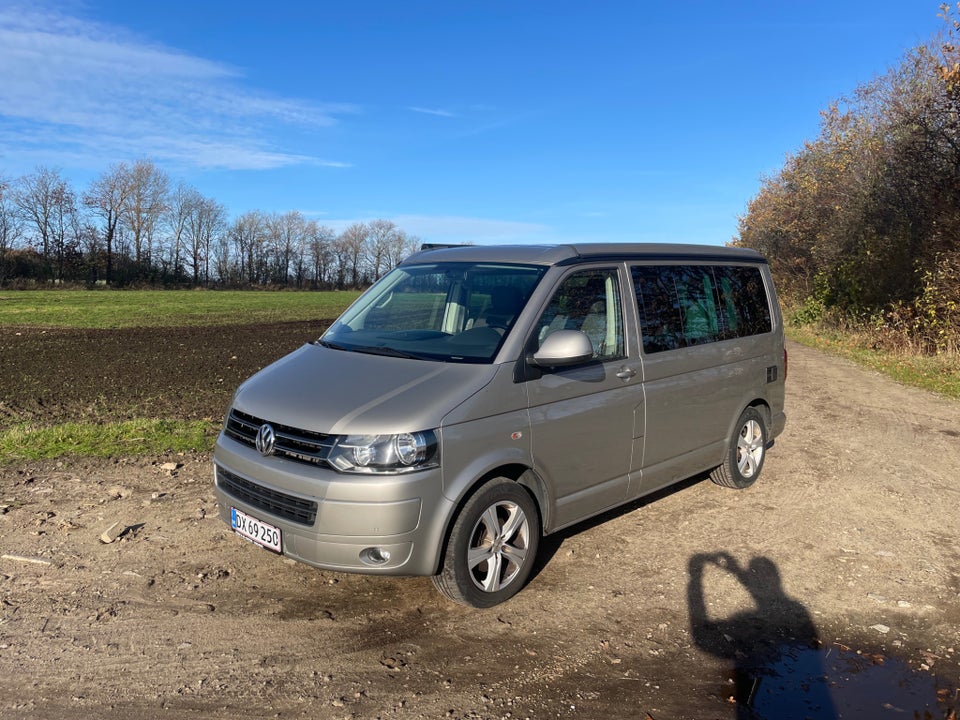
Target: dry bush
(931, 325)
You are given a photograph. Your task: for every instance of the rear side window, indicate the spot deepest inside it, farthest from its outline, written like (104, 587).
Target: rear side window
(686, 305)
(742, 300)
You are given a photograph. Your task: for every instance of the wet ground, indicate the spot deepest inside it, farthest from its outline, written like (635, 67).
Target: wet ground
(824, 683)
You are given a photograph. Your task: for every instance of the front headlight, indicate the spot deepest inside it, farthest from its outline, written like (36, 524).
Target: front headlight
(385, 454)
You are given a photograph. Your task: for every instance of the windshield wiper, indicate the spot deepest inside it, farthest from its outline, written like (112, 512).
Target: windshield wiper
(328, 344)
(388, 351)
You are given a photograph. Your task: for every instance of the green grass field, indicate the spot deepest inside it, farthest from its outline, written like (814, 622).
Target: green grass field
(165, 308)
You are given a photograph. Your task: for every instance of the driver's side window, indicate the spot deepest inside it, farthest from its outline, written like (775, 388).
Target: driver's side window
(588, 301)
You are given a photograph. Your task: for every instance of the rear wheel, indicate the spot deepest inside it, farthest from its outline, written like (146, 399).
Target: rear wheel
(748, 448)
(492, 546)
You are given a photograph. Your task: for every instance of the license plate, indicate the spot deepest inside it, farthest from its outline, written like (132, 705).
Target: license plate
(256, 531)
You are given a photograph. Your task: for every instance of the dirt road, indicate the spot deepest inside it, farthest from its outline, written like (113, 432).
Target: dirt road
(676, 607)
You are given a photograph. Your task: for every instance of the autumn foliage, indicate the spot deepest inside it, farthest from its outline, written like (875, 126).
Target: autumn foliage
(863, 223)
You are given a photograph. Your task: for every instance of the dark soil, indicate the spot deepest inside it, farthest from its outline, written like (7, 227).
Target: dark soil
(60, 375)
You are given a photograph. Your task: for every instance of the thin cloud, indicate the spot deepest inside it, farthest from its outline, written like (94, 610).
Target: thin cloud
(495, 125)
(433, 111)
(90, 89)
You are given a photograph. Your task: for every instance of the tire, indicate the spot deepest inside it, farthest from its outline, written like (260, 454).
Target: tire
(492, 546)
(747, 451)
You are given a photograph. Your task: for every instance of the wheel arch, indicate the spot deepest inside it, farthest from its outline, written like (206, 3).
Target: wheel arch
(757, 403)
(729, 472)
(763, 407)
(760, 405)
(517, 472)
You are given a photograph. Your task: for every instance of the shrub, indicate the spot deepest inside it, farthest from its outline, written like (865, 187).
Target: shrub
(938, 307)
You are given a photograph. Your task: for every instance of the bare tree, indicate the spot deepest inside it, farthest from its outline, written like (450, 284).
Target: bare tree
(33, 199)
(205, 223)
(400, 247)
(301, 240)
(10, 226)
(179, 209)
(224, 268)
(45, 201)
(286, 237)
(89, 242)
(320, 253)
(381, 234)
(64, 228)
(247, 235)
(106, 199)
(143, 206)
(340, 262)
(135, 227)
(353, 243)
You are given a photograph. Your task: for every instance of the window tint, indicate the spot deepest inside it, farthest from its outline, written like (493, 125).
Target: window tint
(588, 301)
(744, 302)
(685, 305)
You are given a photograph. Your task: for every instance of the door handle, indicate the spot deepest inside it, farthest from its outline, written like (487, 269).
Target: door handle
(626, 373)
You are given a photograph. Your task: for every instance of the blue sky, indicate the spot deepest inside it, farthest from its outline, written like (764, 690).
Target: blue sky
(460, 121)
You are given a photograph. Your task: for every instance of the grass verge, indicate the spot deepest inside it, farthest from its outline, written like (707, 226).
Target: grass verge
(124, 439)
(936, 373)
(101, 309)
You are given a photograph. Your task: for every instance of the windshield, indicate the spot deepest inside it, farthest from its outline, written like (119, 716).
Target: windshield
(452, 312)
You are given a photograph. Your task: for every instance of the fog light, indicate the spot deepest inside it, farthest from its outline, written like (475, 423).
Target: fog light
(375, 555)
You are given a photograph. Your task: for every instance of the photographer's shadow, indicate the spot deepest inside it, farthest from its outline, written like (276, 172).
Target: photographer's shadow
(757, 640)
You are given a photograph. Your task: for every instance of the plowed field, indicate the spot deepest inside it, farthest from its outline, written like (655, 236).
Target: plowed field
(59, 375)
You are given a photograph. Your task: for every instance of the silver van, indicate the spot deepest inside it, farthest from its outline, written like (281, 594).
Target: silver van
(478, 398)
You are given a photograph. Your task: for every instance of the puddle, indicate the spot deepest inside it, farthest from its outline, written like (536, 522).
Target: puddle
(834, 682)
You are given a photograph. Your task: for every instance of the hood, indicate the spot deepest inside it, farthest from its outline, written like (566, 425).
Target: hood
(339, 392)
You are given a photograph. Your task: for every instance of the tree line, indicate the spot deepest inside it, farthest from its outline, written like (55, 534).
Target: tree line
(134, 226)
(863, 223)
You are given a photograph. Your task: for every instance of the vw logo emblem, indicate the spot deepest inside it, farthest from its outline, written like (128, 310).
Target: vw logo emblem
(266, 437)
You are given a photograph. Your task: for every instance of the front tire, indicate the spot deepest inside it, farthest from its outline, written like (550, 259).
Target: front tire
(492, 546)
(747, 451)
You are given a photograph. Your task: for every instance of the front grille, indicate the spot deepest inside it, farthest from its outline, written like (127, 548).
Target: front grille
(274, 502)
(303, 446)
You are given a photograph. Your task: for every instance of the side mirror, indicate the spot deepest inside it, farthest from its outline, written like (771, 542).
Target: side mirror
(563, 347)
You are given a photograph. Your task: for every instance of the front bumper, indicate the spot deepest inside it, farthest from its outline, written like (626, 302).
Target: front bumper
(328, 519)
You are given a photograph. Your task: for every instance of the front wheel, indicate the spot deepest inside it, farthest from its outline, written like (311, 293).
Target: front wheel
(746, 453)
(492, 546)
